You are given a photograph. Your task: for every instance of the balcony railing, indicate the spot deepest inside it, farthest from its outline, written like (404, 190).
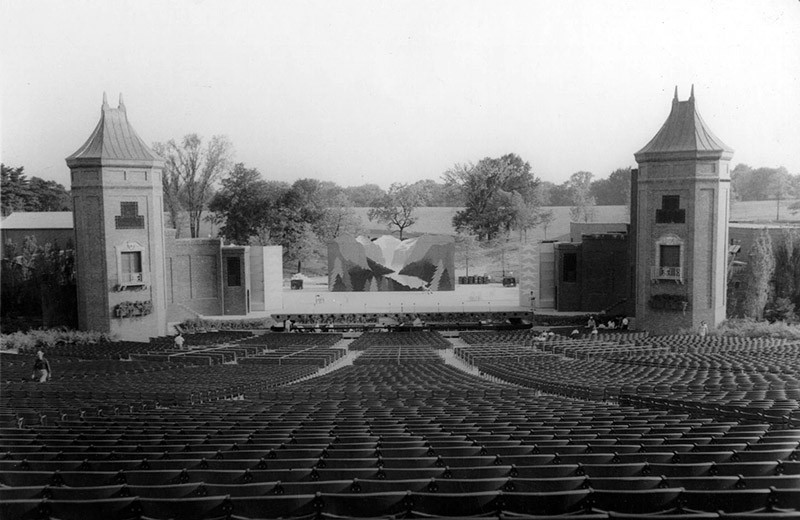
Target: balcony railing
(130, 280)
(658, 272)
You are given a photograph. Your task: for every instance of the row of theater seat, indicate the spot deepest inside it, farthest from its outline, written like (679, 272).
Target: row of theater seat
(425, 339)
(400, 433)
(414, 504)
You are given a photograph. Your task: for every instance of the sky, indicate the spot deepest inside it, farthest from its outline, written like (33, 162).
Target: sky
(378, 92)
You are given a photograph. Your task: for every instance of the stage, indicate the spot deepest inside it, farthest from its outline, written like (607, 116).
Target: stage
(315, 299)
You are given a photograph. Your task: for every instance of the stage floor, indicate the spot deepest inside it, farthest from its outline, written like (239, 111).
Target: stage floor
(315, 299)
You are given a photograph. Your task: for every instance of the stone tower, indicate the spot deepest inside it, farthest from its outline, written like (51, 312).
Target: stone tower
(119, 231)
(681, 224)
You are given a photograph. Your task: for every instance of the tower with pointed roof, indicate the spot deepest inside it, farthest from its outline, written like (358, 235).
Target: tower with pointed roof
(119, 231)
(680, 220)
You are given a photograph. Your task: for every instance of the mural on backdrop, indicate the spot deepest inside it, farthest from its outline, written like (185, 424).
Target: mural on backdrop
(389, 264)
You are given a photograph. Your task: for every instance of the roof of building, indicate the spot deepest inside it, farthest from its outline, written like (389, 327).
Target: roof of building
(114, 139)
(764, 225)
(38, 220)
(684, 131)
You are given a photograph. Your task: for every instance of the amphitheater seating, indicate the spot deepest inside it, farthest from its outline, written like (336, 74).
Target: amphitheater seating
(412, 338)
(549, 431)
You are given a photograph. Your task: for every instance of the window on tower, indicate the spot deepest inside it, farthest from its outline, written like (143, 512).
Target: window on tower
(129, 217)
(670, 212)
(131, 267)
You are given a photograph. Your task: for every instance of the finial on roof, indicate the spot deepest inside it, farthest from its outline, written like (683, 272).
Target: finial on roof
(121, 103)
(105, 100)
(691, 96)
(675, 97)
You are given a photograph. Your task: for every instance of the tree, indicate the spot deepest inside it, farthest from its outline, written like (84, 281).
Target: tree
(615, 190)
(527, 214)
(740, 180)
(762, 183)
(365, 195)
(759, 273)
(339, 220)
(39, 280)
(465, 243)
(18, 193)
(396, 208)
(49, 196)
(239, 207)
(435, 194)
(555, 194)
(272, 196)
(781, 187)
(580, 184)
(191, 171)
(546, 218)
(488, 188)
(171, 187)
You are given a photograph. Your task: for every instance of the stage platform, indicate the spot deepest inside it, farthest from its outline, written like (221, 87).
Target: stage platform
(315, 299)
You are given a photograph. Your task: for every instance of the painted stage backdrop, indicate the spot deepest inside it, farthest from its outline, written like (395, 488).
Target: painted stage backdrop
(389, 264)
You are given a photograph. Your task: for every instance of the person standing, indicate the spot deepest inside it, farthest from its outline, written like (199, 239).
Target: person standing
(179, 340)
(41, 368)
(703, 329)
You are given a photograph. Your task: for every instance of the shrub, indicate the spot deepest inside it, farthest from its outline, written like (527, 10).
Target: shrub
(37, 338)
(201, 325)
(750, 328)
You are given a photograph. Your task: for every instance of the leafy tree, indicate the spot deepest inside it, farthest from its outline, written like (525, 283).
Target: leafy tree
(39, 281)
(615, 190)
(780, 186)
(762, 183)
(527, 214)
(49, 195)
(171, 186)
(191, 171)
(340, 219)
(239, 207)
(435, 194)
(740, 182)
(488, 188)
(396, 208)
(580, 184)
(365, 195)
(555, 194)
(759, 273)
(782, 309)
(18, 193)
(465, 244)
(545, 219)
(787, 267)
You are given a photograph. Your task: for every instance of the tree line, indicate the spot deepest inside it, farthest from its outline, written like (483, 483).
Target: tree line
(19, 193)
(766, 283)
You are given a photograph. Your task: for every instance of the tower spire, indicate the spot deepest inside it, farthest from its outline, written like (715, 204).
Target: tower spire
(105, 100)
(121, 103)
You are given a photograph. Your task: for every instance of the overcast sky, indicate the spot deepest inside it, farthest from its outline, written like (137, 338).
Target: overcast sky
(378, 91)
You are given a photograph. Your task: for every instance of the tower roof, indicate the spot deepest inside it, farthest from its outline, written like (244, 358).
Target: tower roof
(684, 135)
(114, 140)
